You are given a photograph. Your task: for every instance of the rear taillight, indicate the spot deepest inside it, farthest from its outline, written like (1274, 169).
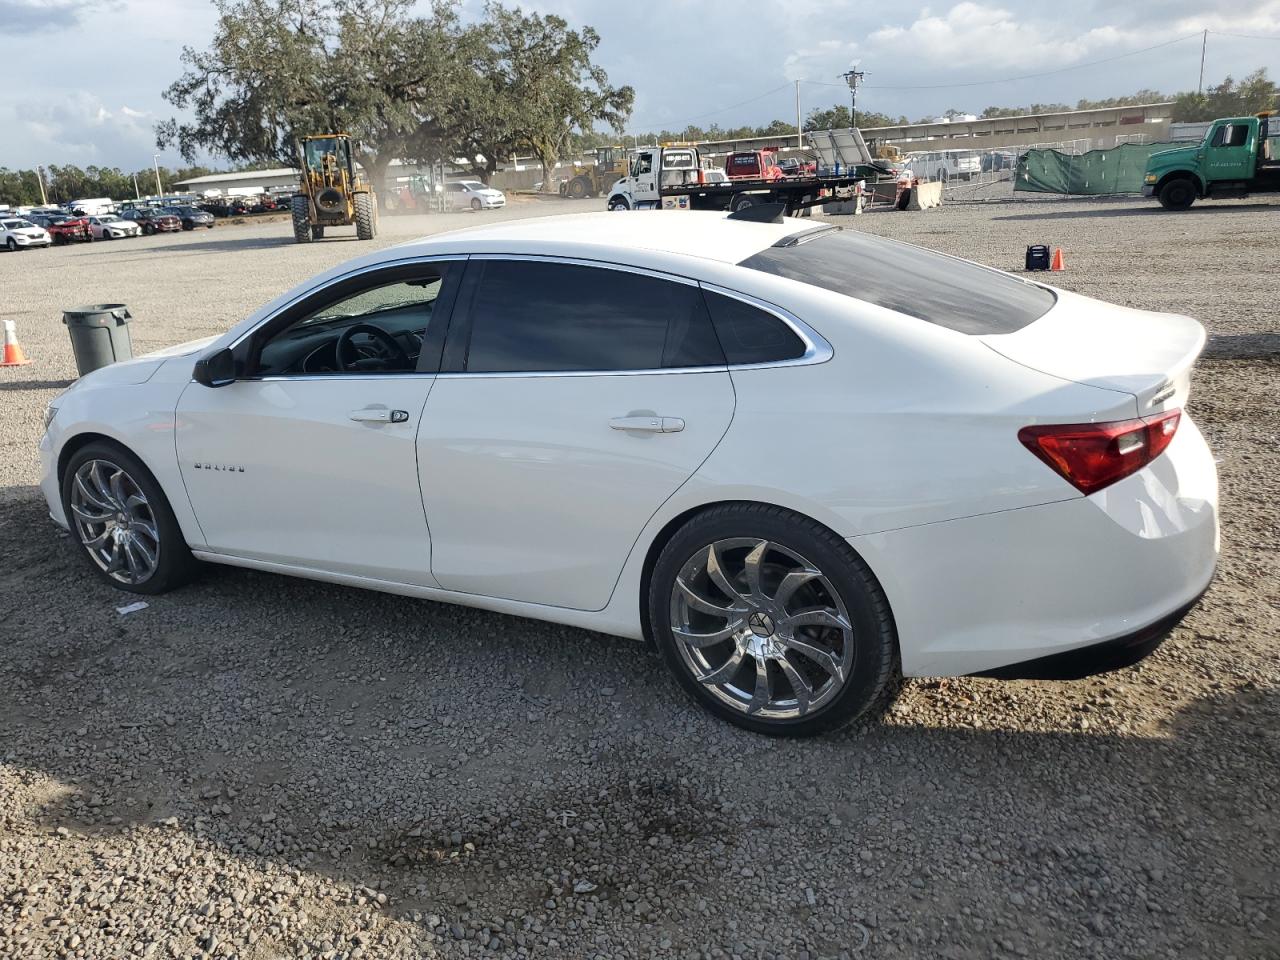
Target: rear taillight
(1091, 456)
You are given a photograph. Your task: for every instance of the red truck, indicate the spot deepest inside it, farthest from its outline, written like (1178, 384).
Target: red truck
(753, 165)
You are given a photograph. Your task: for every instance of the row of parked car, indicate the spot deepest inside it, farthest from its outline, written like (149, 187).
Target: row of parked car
(43, 228)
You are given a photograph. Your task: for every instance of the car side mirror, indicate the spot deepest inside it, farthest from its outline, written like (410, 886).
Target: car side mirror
(215, 369)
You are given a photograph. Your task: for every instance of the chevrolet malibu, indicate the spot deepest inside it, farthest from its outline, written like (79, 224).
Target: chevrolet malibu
(800, 460)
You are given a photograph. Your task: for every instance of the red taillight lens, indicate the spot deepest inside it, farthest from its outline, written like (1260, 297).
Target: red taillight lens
(1091, 456)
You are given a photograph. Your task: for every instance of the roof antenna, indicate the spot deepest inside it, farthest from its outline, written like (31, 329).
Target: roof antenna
(760, 213)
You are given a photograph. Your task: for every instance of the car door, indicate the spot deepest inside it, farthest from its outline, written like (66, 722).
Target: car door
(645, 174)
(575, 399)
(1232, 152)
(309, 460)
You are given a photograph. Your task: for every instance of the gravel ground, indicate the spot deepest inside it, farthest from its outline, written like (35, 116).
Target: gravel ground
(259, 767)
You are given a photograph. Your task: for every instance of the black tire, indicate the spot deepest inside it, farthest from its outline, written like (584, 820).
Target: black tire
(743, 200)
(366, 216)
(174, 563)
(12, 244)
(619, 203)
(1178, 194)
(873, 673)
(579, 188)
(300, 210)
(317, 232)
(476, 205)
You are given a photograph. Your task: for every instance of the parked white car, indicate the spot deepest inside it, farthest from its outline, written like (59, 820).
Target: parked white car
(473, 195)
(17, 233)
(798, 459)
(110, 227)
(945, 165)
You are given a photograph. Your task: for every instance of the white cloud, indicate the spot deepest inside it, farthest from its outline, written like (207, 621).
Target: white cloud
(32, 16)
(78, 128)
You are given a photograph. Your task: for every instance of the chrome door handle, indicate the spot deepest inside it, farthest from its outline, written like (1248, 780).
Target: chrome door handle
(648, 424)
(380, 416)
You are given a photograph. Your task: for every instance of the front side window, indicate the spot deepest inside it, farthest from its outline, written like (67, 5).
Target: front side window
(377, 329)
(531, 316)
(1231, 135)
(920, 283)
(643, 164)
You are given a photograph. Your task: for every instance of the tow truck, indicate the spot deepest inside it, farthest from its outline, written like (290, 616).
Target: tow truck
(673, 178)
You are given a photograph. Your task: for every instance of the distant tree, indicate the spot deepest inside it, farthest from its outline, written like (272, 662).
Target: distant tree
(1253, 94)
(837, 117)
(545, 83)
(277, 70)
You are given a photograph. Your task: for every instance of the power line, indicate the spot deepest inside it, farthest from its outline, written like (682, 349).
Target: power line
(1242, 36)
(1029, 76)
(718, 110)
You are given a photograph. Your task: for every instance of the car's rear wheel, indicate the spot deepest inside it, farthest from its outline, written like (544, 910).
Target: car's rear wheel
(772, 621)
(123, 522)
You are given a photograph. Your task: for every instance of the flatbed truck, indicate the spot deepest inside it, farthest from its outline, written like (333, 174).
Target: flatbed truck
(673, 178)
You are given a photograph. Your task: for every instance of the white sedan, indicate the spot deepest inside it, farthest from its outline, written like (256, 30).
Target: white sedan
(110, 227)
(797, 458)
(473, 195)
(19, 234)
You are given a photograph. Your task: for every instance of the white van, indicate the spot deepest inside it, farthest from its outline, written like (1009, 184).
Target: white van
(945, 164)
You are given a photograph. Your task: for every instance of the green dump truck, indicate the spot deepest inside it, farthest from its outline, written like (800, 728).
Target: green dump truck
(1238, 156)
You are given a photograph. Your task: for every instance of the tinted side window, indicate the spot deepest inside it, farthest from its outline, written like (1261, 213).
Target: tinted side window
(528, 316)
(750, 335)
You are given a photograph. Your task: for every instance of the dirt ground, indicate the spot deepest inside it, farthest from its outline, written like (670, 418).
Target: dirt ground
(259, 767)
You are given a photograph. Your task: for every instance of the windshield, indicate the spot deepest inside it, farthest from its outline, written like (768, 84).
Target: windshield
(108, 218)
(472, 184)
(920, 283)
(17, 224)
(317, 150)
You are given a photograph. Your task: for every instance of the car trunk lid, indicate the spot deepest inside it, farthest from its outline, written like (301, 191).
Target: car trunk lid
(1144, 354)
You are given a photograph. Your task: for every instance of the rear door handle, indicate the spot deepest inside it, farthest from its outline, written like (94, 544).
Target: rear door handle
(648, 424)
(380, 415)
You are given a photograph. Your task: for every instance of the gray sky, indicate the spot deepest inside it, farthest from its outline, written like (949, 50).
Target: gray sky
(698, 62)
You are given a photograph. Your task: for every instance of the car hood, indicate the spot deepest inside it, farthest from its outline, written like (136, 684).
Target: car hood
(29, 231)
(140, 369)
(120, 225)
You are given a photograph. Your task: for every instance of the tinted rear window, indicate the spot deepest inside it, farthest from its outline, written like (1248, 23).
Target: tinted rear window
(920, 283)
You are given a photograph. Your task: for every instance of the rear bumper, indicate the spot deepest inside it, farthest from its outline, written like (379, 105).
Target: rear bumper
(1016, 587)
(1098, 658)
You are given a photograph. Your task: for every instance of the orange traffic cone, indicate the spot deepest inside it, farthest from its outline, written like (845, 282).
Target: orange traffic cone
(13, 355)
(1058, 262)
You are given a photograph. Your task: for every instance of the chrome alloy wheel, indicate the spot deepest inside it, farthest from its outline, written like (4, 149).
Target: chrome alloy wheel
(762, 628)
(114, 521)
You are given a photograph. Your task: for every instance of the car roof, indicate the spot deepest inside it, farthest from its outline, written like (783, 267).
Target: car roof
(686, 233)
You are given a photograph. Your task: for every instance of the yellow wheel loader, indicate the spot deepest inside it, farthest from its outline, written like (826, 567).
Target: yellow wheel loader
(333, 194)
(610, 166)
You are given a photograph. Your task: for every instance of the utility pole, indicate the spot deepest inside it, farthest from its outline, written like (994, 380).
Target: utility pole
(44, 200)
(799, 128)
(853, 78)
(136, 192)
(1204, 43)
(155, 161)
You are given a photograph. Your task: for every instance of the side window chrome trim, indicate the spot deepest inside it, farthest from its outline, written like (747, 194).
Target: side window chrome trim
(369, 268)
(816, 347)
(586, 262)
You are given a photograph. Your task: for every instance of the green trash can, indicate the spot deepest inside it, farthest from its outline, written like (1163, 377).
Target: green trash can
(99, 335)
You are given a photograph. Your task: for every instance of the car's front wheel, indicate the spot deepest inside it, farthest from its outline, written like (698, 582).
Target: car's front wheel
(122, 521)
(772, 621)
